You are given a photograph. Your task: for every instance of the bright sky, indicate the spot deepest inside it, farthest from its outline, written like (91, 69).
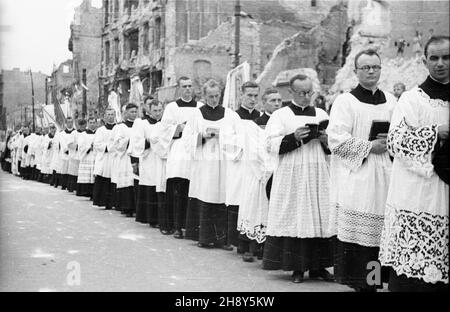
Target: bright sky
(35, 33)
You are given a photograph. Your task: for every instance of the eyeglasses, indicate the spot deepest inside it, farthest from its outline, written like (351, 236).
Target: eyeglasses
(303, 93)
(366, 68)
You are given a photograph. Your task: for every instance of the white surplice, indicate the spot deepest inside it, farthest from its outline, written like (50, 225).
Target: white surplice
(178, 160)
(208, 160)
(86, 156)
(415, 233)
(123, 171)
(102, 139)
(359, 179)
(151, 165)
(299, 203)
(257, 169)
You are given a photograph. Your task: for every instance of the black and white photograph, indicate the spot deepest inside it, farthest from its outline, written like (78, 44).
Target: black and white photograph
(227, 152)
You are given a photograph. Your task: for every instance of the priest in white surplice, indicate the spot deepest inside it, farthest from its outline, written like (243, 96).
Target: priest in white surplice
(414, 242)
(146, 162)
(102, 192)
(209, 128)
(125, 200)
(86, 156)
(360, 172)
(299, 228)
(172, 139)
(64, 139)
(254, 205)
(74, 161)
(234, 188)
(49, 149)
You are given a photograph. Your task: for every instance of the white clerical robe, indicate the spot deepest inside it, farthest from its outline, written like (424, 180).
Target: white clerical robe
(86, 156)
(64, 140)
(54, 165)
(48, 150)
(39, 152)
(415, 233)
(72, 145)
(102, 165)
(113, 156)
(359, 179)
(178, 160)
(299, 200)
(208, 160)
(257, 169)
(151, 165)
(25, 148)
(123, 171)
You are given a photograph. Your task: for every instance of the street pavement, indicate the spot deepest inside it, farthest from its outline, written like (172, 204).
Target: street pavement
(52, 240)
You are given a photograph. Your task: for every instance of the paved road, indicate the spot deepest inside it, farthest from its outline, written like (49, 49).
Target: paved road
(51, 240)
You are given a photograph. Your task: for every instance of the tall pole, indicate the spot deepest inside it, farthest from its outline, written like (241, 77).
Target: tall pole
(46, 88)
(84, 109)
(32, 100)
(237, 29)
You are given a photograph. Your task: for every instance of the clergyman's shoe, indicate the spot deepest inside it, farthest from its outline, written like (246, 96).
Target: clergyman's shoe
(178, 234)
(166, 232)
(297, 277)
(322, 274)
(248, 257)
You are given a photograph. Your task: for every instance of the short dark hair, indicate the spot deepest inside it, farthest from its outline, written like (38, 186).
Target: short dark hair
(249, 84)
(297, 77)
(434, 39)
(154, 102)
(269, 91)
(82, 122)
(366, 52)
(182, 78)
(130, 106)
(148, 97)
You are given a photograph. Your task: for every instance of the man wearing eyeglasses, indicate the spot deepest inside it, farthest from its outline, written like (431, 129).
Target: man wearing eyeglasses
(360, 172)
(414, 243)
(299, 233)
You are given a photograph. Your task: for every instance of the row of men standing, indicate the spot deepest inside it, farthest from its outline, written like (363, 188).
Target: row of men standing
(317, 197)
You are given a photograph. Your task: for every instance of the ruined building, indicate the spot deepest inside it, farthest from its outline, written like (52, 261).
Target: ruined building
(153, 43)
(85, 43)
(16, 96)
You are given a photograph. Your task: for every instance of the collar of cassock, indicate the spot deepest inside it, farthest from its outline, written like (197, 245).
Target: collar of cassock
(151, 120)
(302, 111)
(68, 131)
(212, 113)
(366, 96)
(128, 123)
(79, 130)
(110, 126)
(245, 114)
(182, 103)
(51, 135)
(435, 89)
(89, 131)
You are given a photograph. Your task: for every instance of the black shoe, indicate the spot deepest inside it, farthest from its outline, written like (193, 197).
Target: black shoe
(201, 245)
(226, 247)
(297, 277)
(154, 226)
(166, 232)
(248, 257)
(178, 234)
(322, 274)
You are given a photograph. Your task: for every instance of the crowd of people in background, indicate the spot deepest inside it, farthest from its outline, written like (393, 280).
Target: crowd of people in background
(358, 187)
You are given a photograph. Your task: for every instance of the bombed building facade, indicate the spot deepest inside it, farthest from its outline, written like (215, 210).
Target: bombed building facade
(153, 43)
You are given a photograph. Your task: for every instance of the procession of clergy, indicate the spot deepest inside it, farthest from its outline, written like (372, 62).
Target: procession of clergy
(299, 189)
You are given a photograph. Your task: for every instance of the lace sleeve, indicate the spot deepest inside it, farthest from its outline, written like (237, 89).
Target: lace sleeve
(413, 146)
(353, 152)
